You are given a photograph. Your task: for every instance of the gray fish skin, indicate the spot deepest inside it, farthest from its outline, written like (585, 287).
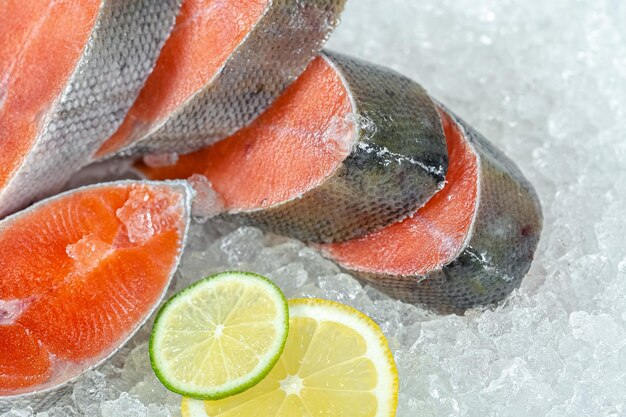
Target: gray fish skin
(43, 398)
(500, 250)
(122, 50)
(277, 50)
(391, 171)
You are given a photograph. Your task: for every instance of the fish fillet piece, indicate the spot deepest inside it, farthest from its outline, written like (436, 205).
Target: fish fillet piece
(82, 271)
(69, 72)
(348, 148)
(225, 62)
(470, 245)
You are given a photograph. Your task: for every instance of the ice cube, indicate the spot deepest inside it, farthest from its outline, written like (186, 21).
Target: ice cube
(141, 380)
(340, 134)
(60, 411)
(148, 212)
(90, 391)
(242, 245)
(124, 406)
(207, 203)
(158, 410)
(366, 125)
(88, 252)
(19, 412)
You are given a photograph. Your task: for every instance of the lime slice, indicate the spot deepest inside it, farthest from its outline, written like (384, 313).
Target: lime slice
(220, 336)
(336, 363)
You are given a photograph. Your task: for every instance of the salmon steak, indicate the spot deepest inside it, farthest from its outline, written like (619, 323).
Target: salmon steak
(225, 62)
(348, 148)
(470, 245)
(81, 272)
(69, 72)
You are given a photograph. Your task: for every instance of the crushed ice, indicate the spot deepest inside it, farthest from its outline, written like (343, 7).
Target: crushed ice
(88, 252)
(366, 125)
(149, 211)
(207, 202)
(549, 88)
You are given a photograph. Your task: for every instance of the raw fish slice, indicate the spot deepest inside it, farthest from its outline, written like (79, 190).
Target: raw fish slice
(82, 271)
(348, 148)
(470, 245)
(226, 61)
(69, 72)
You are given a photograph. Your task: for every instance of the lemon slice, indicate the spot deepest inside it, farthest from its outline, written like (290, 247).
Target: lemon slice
(220, 336)
(336, 363)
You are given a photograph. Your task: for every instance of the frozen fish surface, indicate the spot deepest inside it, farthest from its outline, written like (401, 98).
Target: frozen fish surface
(69, 72)
(470, 245)
(225, 62)
(348, 148)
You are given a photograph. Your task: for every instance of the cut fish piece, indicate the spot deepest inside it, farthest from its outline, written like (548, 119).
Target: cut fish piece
(225, 62)
(348, 148)
(470, 245)
(69, 72)
(82, 271)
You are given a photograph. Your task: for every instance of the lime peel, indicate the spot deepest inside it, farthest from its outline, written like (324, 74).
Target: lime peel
(192, 329)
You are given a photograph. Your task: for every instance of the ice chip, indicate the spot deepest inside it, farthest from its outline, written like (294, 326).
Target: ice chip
(144, 383)
(124, 406)
(241, 246)
(340, 287)
(155, 410)
(90, 390)
(19, 412)
(149, 212)
(88, 252)
(60, 411)
(290, 278)
(365, 124)
(597, 329)
(207, 202)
